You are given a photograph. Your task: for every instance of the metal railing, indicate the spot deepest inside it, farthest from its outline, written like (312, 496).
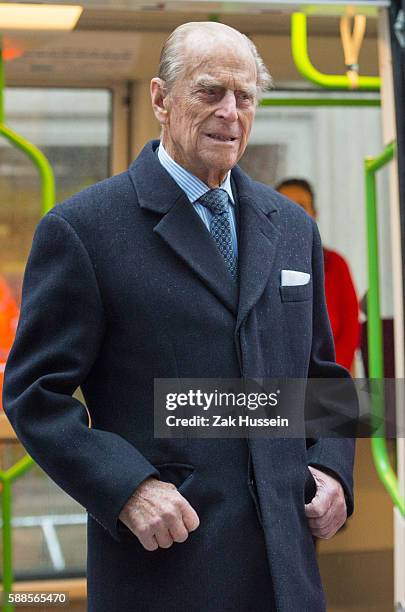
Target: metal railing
(299, 48)
(374, 326)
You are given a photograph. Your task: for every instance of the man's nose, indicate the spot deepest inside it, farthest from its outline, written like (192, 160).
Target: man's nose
(227, 109)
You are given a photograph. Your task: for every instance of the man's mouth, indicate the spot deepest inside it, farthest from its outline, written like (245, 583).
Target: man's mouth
(221, 137)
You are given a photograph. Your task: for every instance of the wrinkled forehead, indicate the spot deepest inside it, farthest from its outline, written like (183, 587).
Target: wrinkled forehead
(227, 59)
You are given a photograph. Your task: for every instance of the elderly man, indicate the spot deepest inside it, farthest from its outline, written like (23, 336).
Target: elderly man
(173, 270)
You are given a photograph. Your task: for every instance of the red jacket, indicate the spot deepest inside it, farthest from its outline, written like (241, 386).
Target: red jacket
(343, 308)
(9, 313)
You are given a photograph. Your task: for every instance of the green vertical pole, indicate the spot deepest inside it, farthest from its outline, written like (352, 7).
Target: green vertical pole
(7, 543)
(374, 329)
(374, 326)
(1, 83)
(6, 479)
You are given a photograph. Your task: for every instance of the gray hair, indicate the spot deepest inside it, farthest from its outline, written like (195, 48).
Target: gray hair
(172, 59)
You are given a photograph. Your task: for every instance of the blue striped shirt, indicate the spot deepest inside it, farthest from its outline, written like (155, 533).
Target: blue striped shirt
(194, 188)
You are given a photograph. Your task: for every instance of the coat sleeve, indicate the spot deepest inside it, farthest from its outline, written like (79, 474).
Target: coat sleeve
(59, 337)
(333, 455)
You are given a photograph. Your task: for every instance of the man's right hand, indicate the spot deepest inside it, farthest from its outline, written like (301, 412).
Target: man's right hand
(158, 514)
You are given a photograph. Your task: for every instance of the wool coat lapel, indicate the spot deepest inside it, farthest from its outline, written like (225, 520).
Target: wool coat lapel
(258, 237)
(180, 227)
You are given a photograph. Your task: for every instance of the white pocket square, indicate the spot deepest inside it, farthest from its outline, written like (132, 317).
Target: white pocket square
(290, 278)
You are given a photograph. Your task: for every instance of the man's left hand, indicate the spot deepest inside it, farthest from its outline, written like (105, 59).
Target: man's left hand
(327, 511)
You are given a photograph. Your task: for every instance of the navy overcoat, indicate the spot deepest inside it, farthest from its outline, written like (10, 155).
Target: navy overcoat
(124, 284)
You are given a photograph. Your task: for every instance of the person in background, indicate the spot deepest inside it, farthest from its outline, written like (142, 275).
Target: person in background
(9, 313)
(341, 298)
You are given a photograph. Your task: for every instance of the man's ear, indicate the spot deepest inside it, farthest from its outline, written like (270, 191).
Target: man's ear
(158, 96)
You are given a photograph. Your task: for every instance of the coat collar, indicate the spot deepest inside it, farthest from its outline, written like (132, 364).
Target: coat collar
(157, 191)
(155, 188)
(183, 230)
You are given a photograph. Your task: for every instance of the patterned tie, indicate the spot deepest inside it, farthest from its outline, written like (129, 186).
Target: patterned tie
(216, 200)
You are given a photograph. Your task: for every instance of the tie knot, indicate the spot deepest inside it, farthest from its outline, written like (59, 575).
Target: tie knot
(216, 200)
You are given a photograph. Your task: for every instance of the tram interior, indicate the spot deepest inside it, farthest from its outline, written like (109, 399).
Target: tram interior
(83, 98)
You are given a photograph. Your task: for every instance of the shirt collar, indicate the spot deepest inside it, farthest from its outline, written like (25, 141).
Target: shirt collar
(193, 187)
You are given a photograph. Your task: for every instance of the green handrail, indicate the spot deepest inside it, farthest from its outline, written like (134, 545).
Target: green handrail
(41, 162)
(7, 477)
(36, 156)
(299, 47)
(374, 327)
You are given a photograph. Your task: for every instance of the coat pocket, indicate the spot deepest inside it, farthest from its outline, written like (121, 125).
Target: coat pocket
(251, 482)
(296, 293)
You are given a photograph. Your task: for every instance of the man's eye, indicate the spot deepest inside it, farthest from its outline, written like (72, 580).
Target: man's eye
(209, 91)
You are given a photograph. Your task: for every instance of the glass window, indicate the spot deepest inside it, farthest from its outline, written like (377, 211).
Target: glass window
(72, 128)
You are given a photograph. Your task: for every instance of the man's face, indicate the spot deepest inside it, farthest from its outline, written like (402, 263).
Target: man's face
(210, 110)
